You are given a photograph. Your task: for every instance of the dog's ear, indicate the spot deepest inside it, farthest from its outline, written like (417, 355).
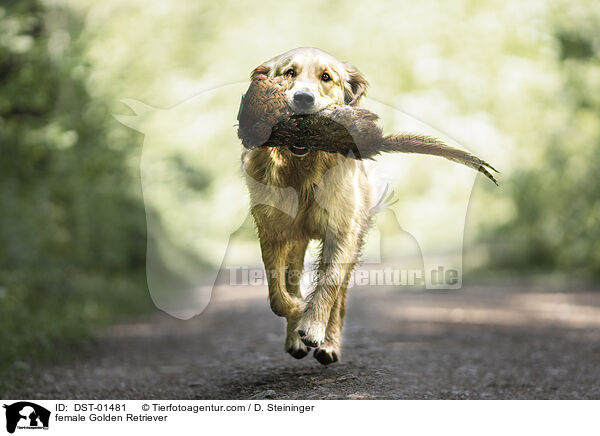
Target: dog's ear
(355, 86)
(261, 69)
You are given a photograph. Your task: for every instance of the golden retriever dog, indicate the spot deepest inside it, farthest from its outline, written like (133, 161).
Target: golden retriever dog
(334, 198)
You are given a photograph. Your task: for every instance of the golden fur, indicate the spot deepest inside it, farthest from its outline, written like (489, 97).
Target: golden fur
(333, 206)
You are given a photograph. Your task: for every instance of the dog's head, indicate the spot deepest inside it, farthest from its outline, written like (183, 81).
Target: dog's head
(315, 79)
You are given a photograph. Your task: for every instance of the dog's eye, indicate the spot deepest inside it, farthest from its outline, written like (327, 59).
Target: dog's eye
(290, 73)
(325, 77)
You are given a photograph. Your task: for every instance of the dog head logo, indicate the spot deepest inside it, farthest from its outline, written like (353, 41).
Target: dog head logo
(26, 415)
(195, 199)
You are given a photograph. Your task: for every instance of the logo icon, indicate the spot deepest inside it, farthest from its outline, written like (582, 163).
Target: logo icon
(26, 415)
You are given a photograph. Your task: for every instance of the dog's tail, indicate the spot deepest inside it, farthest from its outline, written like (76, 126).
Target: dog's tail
(408, 143)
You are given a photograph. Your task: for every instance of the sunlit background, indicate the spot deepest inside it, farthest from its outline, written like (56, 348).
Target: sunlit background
(516, 82)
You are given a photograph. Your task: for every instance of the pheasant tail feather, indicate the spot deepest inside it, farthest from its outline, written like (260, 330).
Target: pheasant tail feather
(407, 143)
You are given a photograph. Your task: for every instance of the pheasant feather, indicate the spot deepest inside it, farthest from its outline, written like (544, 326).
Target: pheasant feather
(266, 120)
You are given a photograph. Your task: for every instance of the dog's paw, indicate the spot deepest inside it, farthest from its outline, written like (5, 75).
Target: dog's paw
(327, 354)
(295, 346)
(311, 333)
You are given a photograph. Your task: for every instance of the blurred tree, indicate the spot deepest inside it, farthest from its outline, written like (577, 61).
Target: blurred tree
(72, 227)
(556, 224)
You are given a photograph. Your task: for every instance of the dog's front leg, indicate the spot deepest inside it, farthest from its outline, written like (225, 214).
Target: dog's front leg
(283, 263)
(274, 253)
(331, 349)
(338, 256)
(295, 267)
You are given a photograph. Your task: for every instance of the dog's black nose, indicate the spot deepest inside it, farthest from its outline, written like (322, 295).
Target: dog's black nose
(304, 98)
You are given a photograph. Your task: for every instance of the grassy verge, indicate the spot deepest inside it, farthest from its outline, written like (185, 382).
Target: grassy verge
(50, 318)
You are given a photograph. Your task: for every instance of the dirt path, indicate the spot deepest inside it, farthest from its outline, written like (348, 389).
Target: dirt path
(479, 342)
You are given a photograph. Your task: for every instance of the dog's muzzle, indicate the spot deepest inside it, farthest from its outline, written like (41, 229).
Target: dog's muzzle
(303, 102)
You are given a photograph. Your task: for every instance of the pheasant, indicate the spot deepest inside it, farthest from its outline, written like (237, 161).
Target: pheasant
(266, 120)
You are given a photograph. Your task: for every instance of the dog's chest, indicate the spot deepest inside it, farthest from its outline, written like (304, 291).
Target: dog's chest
(296, 201)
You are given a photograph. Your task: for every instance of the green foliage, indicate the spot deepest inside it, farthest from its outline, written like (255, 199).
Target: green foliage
(556, 224)
(72, 227)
